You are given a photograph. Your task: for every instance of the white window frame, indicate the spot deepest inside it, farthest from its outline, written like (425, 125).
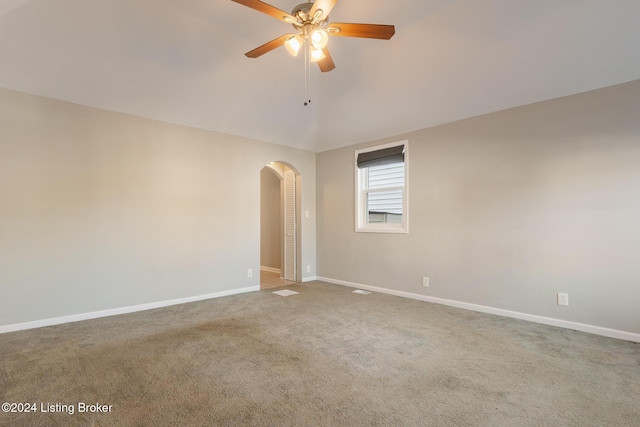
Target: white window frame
(361, 195)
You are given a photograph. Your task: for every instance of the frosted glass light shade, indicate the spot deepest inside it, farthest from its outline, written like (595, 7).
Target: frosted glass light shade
(319, 38)
(293, 44)
(316, 55)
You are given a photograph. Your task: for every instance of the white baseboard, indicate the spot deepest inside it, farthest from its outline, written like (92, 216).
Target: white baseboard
(309, 279)
(115, 311)
(597, 330)
(270, 269)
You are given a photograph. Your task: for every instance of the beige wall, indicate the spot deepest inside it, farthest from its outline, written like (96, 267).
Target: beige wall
(102, 210)
(506, 210)
(270, 220)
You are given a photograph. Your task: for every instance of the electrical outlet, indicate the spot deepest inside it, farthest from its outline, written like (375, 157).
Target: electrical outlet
(563, 298)
(308, 269)
(249, 273)
(425, 282)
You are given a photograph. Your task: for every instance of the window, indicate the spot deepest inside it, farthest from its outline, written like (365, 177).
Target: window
(381, 188)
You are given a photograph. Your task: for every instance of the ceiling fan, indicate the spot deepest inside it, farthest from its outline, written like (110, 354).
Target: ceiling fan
(313, 29)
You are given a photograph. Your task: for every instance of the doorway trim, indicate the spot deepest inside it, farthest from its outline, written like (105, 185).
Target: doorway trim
(278, 167)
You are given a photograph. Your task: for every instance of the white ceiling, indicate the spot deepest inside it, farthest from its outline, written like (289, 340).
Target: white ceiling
(182, 61)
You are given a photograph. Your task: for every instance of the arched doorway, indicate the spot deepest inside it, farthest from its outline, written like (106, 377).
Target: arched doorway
(280, 259)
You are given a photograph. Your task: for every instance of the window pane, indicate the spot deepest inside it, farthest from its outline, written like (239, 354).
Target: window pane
(384, 207)
(386, 176)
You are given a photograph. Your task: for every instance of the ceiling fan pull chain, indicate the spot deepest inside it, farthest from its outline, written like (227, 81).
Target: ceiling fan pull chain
(307, 71)
(308, 61)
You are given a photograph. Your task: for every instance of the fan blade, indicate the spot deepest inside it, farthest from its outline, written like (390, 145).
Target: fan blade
(268, 9)
(325, 6)
(268, 47)
(370, 31)
(326, 64)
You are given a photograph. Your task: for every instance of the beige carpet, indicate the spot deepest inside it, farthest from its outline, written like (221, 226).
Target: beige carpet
(323, 357)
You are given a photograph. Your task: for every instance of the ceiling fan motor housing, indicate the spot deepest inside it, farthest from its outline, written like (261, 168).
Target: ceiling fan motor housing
(301, 12)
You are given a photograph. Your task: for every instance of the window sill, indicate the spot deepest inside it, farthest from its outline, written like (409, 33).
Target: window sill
(388, 230)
